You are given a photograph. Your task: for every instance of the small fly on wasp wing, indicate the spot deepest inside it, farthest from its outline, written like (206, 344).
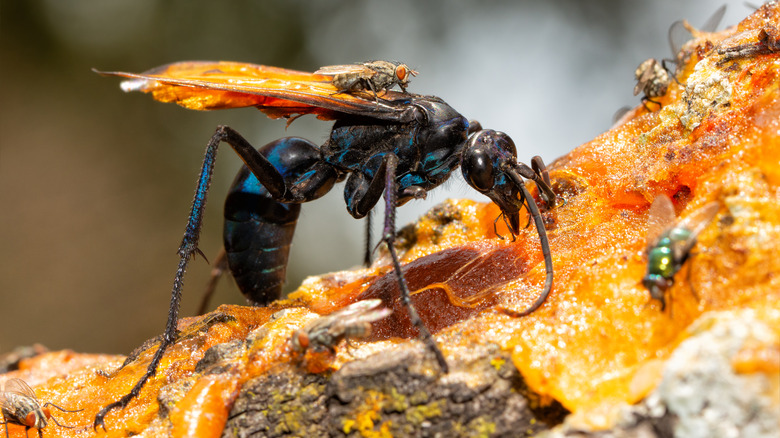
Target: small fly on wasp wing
(370, 75)
(19, 405)
(669, 243)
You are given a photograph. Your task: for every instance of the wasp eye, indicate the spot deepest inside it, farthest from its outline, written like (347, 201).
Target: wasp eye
(477, 167)
(505, 142)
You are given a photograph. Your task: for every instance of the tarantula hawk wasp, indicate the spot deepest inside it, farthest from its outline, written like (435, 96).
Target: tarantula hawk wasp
(399, 146)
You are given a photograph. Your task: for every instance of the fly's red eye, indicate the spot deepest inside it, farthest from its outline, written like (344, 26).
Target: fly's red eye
(46, 412)
(303, 340)
(401, 72)
(29, 420)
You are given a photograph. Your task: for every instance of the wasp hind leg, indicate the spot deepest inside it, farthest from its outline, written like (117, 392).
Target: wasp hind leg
(187, 249)
(272, 179)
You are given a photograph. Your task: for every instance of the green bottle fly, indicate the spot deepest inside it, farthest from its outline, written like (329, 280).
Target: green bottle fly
(669, 243)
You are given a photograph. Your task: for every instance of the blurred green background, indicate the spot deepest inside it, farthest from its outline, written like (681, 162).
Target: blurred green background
(95, 184)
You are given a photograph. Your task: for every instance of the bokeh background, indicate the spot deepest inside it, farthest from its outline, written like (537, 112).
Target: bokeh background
(95, 184)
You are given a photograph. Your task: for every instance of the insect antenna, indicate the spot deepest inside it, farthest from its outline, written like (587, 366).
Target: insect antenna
(537, 216)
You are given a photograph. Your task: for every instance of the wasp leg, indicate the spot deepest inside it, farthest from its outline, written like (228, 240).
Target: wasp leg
(503, 217)
(362, 193)
(259, 226)
(187, 249)
(367, 255)
(390, 163)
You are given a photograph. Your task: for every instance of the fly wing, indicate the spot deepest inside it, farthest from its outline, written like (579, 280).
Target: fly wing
(320, 324)
(659, 219)
(359, 314)
(335, 323)
(357, 308)
(18, 386)
(333, 70)
(363, 311)
(646, 72)
(696, 222)
(712, 23)
(278, 92)
(681, 31)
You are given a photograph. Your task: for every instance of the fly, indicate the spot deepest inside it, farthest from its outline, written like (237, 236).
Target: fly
(370, 75)
(670, 242)
(653, 77)
(750, 43)
(351, 322)
(19, 405)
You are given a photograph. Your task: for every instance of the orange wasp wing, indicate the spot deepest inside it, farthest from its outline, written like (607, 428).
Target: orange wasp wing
(278, 92)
